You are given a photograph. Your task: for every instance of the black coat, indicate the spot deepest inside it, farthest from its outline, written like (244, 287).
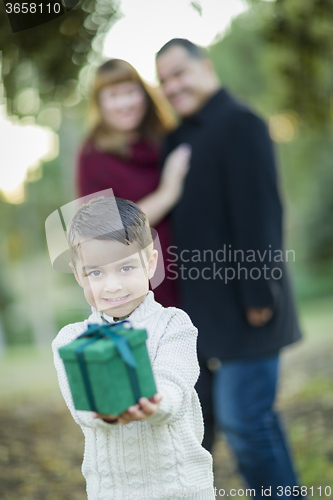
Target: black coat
(231, 202)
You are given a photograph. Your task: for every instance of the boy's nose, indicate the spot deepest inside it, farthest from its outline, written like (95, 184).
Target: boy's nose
(112, 284)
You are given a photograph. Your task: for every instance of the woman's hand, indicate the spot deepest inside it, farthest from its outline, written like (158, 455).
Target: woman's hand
(158, 204)
(174, 172)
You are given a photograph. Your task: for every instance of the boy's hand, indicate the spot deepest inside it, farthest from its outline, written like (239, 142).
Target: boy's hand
(139, 411)
(109, 419)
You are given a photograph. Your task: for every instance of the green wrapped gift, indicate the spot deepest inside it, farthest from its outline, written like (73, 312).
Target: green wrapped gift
(108, 368)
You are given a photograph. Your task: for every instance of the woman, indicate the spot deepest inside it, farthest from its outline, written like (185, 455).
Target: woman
(122, 150)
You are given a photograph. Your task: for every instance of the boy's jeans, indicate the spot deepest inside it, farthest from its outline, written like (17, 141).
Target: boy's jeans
(243, 398)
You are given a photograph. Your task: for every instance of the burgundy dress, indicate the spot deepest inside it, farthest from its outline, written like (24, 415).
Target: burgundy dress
(130, 178)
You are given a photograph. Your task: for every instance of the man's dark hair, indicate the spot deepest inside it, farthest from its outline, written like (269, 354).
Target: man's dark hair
(112, 219)
(193, 50)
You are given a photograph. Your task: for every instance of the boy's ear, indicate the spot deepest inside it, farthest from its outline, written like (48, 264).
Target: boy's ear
(152, 263)
(75, 273)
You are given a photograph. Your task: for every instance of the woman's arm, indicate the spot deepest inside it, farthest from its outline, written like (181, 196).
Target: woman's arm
(158, 204)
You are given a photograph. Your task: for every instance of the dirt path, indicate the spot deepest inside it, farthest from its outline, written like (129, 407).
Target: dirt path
(306, 405)
(41, 447)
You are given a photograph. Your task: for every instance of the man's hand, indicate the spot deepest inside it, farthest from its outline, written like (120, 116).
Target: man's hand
(258, 316)
(139, 411)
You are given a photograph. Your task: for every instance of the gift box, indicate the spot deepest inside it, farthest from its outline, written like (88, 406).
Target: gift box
(108, 368)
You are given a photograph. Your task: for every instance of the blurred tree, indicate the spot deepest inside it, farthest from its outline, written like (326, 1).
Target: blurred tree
(252, 65)
(41, 69)
(319, 213)
(302, 33)
(49, 57)
(23, 246)
(240, 59)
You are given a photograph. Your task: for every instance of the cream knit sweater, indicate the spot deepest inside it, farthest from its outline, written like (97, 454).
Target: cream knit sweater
(160, 457)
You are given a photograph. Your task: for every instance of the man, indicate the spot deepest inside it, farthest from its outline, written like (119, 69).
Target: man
(228, 233)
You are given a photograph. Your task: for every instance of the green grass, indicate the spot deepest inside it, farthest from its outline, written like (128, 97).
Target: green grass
(317, 316)
(310, 409)
(318, 387)
(27, 374)
(31, 369)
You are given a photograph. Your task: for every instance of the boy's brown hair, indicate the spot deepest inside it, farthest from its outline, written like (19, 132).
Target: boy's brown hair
(113, 219)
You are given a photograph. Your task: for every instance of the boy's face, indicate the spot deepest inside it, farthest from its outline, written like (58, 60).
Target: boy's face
(114, 277)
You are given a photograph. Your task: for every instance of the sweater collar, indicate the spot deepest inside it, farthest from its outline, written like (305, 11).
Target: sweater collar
(147, 307)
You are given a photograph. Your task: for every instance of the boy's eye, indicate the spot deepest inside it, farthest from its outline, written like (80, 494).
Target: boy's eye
(95, 274)
(126, 269)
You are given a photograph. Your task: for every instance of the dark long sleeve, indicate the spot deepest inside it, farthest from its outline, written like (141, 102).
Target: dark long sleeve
(253, 204)
(231, 200)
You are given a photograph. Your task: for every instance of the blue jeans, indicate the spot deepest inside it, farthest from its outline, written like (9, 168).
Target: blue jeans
(243, 397)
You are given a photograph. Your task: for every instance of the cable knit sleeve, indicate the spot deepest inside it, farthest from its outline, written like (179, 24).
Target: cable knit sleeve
(83, 418)
(175, 368)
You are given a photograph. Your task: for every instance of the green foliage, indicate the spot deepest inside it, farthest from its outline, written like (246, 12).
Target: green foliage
(302, 30)
(320, 248)
(237, 58)
(22, 228)
(278, 57)
(24, 224)
(49, 57)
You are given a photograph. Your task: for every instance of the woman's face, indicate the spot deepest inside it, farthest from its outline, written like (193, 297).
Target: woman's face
(123, 106)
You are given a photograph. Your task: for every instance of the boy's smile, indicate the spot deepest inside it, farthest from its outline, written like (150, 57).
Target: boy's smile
(118, 300)
(114, 276)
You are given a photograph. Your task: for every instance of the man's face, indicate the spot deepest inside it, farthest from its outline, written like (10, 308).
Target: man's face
(185, 81)
(114, 277)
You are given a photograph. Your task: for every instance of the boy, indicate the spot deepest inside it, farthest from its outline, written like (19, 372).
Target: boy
(153, 449)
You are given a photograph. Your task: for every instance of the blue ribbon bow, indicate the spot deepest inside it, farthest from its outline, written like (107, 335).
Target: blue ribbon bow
(98, 332)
